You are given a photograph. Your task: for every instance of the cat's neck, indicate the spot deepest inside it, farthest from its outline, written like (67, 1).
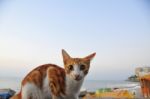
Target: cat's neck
(73, 86)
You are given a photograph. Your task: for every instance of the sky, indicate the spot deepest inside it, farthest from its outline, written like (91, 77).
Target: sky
(34, 33)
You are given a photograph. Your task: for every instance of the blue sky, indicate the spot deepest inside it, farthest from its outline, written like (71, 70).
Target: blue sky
(34, 32)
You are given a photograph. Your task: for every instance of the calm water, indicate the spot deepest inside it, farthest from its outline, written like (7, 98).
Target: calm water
(91, 85)
(13, 83)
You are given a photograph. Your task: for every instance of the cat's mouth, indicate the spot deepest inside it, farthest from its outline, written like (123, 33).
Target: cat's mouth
(78, 78)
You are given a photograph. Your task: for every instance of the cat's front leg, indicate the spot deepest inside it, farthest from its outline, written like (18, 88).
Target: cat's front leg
(56, 97)
(71, 97)
(76, 97)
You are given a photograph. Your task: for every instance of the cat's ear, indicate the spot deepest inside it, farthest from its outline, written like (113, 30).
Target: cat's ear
(65, 56)
(90, 57)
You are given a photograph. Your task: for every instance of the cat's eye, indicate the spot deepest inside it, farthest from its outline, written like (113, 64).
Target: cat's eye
(82, 67)
(71, 67)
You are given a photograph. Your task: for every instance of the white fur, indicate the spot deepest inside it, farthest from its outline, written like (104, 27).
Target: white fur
(77, 71)
(46, 88)
(31, 90)
(72, 87)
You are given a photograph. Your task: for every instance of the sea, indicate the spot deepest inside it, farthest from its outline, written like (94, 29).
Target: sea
(14, 83)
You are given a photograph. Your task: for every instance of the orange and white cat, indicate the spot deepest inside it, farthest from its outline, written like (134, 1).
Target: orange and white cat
(50, 81)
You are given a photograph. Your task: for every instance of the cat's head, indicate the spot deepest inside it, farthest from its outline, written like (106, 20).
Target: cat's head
(76, 68)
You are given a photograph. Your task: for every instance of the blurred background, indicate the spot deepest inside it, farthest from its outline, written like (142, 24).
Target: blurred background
(34, 32)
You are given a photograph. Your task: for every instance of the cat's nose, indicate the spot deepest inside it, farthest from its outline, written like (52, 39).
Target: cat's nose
(77, 76)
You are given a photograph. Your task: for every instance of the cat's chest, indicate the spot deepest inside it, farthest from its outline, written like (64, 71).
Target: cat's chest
(72, 86)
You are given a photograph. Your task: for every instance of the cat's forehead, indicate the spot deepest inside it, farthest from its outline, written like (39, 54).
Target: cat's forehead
(76, 61)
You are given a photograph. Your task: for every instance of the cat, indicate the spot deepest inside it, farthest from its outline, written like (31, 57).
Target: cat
(50, 81)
